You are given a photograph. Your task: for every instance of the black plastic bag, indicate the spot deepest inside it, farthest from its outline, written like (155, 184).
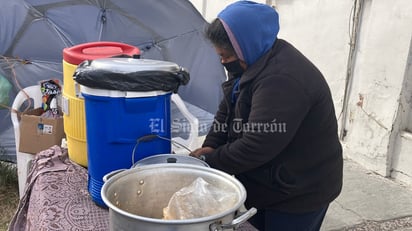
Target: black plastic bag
(142, 80)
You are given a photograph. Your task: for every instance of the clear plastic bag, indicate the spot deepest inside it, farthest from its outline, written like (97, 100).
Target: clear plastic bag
(199, 199)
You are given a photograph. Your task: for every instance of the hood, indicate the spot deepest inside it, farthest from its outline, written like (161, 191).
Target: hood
(252, 28)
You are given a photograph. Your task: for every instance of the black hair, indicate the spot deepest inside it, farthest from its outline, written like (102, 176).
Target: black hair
(216, 33)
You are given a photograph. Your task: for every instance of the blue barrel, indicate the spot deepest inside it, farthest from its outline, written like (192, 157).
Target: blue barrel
(113, 128)
(123, 127)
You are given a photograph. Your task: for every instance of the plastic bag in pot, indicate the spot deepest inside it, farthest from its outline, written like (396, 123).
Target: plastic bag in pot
(199, 199)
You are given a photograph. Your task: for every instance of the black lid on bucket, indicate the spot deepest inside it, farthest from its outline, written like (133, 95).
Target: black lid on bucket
(128, 74)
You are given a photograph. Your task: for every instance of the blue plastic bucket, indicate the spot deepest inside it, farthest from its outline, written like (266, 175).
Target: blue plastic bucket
(115, 121)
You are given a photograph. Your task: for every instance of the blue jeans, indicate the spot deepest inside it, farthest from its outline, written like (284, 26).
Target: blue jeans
(267, 220)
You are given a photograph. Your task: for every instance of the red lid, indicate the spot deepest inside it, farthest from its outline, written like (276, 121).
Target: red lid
(94, 50)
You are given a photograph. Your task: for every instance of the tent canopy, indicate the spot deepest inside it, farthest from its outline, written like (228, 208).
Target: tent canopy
(33, 34)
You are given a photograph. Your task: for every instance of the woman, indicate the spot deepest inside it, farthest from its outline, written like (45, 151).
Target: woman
(276, 128)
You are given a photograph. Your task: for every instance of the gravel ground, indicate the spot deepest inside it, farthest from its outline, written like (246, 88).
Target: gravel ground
(399, 224)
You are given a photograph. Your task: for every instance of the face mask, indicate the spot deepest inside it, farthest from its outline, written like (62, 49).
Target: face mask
(234, 68)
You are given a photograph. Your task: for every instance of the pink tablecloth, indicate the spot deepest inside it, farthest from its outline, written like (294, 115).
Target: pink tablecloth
(56, 197)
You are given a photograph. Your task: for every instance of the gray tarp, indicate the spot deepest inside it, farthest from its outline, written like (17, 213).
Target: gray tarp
(33, 34)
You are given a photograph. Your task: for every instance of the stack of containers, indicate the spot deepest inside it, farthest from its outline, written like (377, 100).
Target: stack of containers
(127, 105)
(72, 104)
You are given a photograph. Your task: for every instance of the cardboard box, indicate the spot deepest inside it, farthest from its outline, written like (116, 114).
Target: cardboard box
(39, 133)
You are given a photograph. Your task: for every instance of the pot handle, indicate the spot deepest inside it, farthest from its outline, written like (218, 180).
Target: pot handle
(112, 173)
(236, 222)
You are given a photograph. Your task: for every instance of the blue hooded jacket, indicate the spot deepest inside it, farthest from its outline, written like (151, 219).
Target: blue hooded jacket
(252, 28)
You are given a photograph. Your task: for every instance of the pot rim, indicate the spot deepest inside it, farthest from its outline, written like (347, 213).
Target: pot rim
(164, 155)
(239, 185)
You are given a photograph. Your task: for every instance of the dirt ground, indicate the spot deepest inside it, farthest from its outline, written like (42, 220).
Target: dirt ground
(9, 194)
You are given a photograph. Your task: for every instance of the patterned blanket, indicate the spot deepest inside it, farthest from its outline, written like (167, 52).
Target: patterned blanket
(56, 197)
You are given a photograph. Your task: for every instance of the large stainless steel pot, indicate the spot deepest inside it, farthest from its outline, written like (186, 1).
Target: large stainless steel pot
(136, 198)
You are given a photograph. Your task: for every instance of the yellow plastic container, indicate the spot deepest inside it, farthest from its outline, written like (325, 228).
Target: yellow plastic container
(72, 104)
(73, 117)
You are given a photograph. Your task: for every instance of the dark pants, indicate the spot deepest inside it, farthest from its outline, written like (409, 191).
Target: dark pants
(268, 220)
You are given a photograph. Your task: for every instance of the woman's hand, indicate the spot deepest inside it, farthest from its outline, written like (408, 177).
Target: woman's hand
(198, 153)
